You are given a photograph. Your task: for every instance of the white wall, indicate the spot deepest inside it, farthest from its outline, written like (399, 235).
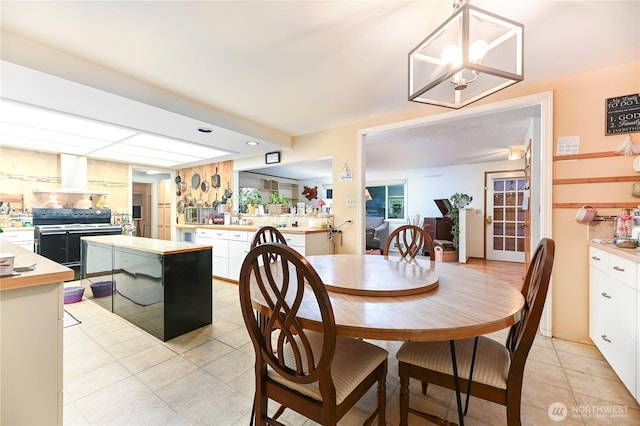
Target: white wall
(427, 184)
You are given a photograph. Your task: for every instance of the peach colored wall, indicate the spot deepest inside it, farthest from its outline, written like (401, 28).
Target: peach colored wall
(579, 110)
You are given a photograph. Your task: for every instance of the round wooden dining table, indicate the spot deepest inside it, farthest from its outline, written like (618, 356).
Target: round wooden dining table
(389, 298)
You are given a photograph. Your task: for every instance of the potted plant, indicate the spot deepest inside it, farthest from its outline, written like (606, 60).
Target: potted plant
(249, 199)
(458, 201)
(278, 204)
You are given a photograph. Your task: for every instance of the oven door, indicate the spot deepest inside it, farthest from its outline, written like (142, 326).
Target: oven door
(52, 244)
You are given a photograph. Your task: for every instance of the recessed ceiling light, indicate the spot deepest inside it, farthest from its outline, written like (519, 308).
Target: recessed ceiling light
(253, 143)
(204, 130)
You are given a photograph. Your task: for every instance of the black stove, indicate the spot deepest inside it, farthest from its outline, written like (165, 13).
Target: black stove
(58, 232)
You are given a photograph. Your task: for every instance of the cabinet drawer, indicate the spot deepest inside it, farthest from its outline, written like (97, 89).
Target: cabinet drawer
(295, 239)
(219, 234)
(599, 259)
(238, 236)
(13, 236)
(624, 270)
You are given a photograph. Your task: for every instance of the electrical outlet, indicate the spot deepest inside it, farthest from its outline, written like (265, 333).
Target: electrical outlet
(352, 202)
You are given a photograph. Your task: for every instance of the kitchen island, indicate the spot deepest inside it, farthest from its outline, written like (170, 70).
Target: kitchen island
(163, 287)
(31, 322)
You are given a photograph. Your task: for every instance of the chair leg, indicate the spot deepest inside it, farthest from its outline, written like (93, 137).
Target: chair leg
(513, 406)
(424, 387)
(403, 370)
(382, 399)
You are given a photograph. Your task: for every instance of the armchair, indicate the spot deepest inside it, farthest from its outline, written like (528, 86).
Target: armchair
(377, 232)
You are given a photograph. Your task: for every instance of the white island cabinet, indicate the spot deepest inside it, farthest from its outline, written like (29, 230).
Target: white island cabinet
(613, 312)
(31, 319)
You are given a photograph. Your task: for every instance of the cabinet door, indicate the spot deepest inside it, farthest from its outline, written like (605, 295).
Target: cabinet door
(237, 252)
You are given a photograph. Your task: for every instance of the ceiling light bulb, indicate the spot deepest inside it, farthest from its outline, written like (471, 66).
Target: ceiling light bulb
(477, 50)
(451, 56)
(515, 153)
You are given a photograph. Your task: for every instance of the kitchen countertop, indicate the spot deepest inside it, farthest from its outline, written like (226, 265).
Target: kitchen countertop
(253, 228)
(150, 245)
(631, 254)
(45, 272)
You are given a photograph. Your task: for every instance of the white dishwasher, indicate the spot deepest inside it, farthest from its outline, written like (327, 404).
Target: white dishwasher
(206, 237)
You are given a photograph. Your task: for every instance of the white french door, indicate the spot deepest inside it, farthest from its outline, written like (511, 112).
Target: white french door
(506, 203)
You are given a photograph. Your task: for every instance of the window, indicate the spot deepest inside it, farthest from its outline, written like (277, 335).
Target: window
(387, 201)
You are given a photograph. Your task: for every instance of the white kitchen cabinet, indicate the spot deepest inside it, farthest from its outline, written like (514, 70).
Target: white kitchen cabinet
(239, 246)
(309, 244)
(20, 237)
(613, 313)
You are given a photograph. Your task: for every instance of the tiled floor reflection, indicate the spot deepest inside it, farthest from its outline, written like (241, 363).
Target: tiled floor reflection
(117, 374)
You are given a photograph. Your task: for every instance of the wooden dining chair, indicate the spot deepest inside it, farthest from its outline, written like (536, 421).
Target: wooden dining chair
(496, 370)
(315, 373)
(268, 234)
(410, 240)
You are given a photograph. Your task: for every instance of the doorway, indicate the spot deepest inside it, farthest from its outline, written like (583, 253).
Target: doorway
(506, 222)
(541, 167)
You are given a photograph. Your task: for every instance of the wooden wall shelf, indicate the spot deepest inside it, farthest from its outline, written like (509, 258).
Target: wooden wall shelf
(605, 179)
(625, 205)
(586, 156)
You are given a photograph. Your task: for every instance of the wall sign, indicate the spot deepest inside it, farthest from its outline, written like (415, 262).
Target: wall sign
(623, 114)
(272, 157)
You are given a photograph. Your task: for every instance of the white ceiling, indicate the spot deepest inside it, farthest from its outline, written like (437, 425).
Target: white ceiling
(291, 68)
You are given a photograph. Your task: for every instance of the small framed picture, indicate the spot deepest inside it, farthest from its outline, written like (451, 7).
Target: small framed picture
(272, 157)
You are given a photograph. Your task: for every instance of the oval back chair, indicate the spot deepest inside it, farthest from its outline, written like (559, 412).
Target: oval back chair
(488, 369)
(316, 373)
(410, 240)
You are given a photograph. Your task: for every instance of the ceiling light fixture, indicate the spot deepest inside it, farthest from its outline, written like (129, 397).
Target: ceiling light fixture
(253, 143)
(515, 153)
(471, 55)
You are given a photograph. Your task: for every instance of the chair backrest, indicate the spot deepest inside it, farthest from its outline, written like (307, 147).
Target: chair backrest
(534, 290)
(268, 234)
(281, 341)
(409, 239)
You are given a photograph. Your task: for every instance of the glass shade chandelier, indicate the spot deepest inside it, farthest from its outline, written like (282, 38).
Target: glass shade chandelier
(471, 55)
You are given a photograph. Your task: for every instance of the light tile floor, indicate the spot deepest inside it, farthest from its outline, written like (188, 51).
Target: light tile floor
(117, 374)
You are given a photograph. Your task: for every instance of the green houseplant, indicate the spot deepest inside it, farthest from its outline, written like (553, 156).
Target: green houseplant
(458, 201)
(278, 204)
(249, 199)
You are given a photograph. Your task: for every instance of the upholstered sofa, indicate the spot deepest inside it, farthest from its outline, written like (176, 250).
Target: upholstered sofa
(377, 232)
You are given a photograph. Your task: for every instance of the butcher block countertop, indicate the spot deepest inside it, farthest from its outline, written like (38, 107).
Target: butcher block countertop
(253, 228)
(46, 271)
(149, 245)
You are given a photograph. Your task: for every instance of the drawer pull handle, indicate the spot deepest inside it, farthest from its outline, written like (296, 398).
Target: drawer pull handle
(605, 295)
(605, 338)
(617, 268)
(595, 258)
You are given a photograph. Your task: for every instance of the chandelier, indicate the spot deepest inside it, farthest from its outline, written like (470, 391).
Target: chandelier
(471, 55)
